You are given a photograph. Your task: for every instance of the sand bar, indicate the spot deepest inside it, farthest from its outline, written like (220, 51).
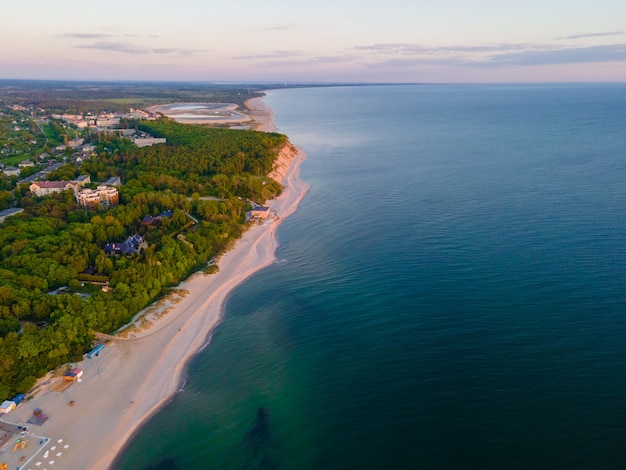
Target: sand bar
(132, 378)
(202, 113)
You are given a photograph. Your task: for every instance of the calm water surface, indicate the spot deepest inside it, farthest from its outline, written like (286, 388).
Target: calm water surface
(450, 294)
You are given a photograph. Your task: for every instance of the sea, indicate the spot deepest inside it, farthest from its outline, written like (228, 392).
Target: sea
(450, 294)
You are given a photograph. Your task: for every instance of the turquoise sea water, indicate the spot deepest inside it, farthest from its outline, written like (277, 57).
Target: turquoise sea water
(450, 294)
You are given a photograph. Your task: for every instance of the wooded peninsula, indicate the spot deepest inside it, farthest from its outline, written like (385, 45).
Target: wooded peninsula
(186, 201)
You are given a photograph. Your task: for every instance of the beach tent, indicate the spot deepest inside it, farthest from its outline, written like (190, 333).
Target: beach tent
(19, 398)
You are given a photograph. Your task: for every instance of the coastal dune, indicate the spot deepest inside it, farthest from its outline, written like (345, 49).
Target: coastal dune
(134, 376)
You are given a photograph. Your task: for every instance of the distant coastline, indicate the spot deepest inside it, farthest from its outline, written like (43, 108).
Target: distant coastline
(133, 378)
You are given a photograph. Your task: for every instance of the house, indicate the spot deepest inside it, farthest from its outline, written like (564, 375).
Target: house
(259, 212)
(45, 188)
(149, 220)
(133, 244)
(113, 181)
(26, 163)
(11, 171)
(7, 406)
(82, 180)
(75, 143)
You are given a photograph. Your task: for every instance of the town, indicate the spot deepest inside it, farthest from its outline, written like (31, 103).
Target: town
(30, 141)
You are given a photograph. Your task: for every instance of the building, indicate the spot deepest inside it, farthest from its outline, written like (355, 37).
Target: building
(73, 375)
(148, 141)
(113, 181)
(7, 406)
(82, 180)
(107, 121)
(75, 143)
(26, 163)
(45, 188)
(133, 244)
(105, 196)
(11, 171)
(259, 212)
(149, 220)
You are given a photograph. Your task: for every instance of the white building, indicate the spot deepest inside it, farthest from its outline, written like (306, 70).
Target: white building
(45, 188)
(148, 141)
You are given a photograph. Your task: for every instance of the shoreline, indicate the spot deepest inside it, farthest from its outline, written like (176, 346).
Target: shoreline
(133, 378)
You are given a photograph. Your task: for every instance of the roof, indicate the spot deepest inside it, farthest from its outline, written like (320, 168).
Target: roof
(113, 181)
(51, 184)
(132, 244)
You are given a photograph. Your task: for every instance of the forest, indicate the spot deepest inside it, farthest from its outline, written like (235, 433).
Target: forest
(82, 97)
(52, 258)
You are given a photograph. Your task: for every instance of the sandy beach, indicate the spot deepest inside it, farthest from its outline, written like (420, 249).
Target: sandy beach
(204, 113)
(134, 376)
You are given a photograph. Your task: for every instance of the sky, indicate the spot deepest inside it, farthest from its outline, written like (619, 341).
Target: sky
(391, 41)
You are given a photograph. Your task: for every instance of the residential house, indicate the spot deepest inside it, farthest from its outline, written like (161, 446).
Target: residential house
(11, 171)
(259, 212)
(133, 244)
(75, 143)
(149, 220)
(113, 181)
(82, 180)
(45, 188)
